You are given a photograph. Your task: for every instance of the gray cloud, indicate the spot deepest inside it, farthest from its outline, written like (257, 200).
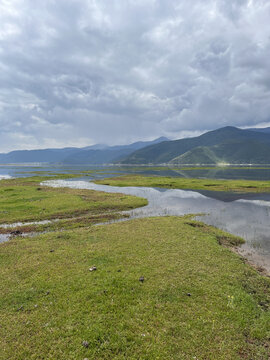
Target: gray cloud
(78, 72)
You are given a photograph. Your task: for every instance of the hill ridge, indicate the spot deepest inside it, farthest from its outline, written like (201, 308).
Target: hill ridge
(166, 152)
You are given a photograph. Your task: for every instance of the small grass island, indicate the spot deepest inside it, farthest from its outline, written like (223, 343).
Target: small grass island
(187, 183)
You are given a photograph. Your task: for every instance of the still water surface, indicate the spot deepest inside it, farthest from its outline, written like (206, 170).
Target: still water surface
(248, 173)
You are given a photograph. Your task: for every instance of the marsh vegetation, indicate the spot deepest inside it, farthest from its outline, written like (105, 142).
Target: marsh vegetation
(187, 183)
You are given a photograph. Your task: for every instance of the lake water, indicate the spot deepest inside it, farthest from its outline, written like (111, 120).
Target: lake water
(250, 173)
(246, 215)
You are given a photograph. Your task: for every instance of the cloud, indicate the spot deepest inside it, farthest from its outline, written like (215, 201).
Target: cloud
(77, 72)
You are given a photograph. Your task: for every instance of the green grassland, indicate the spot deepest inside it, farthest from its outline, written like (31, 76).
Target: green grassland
(187, 183)
(199, 300)
(24, 200)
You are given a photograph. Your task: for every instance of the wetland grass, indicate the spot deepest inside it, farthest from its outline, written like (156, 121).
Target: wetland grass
(188, 183)
(24, 200)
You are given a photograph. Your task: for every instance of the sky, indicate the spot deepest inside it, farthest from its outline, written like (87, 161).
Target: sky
(80, 72)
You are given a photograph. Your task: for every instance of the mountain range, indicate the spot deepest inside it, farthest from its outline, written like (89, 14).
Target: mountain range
(225, 145)
(92, 155)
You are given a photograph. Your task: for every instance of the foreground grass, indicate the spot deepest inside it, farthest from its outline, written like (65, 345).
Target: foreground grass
(199, 300)
(187, 183)
(25, 200)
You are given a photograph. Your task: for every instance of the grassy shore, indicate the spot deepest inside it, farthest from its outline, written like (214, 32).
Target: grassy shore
(187, 183)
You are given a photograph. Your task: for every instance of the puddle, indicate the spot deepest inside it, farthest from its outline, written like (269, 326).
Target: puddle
(17, 224)
(4, 238)
(7, 237)
(4, 177)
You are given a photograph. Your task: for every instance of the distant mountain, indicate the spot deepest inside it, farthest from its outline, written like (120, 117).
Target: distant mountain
(228, 144)
(36, 156)
(109, 154)
(232, 152)
(94, 154)
(96, 147)
(265, 130)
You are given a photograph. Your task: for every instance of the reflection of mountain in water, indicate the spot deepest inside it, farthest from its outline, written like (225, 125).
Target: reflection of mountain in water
(229, 173)
(232, 196)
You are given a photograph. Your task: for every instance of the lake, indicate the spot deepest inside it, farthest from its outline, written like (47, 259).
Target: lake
(248, 173)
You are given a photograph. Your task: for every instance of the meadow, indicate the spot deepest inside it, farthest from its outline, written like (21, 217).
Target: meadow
(153, 288)
(24, 200)
(187, 183)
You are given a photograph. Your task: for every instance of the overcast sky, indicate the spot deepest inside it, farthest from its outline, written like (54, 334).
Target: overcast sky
(79, 72)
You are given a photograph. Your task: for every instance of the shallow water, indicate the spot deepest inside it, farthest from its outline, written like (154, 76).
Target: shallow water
(4, 238)
(245, 215)
(3, 177)
(17, 224)
(7, 237)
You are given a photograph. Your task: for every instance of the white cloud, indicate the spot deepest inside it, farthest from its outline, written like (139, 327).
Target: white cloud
(118, 71)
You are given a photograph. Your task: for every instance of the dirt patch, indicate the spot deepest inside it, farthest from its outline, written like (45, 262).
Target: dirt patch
(229, 241)
(195, 224)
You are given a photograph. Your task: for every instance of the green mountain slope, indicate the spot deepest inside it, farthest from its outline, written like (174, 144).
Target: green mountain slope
(169, 150)
(233, 152)
(199, 155)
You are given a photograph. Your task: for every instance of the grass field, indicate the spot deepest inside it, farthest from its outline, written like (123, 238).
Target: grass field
(187, 183)
(24, 200)
(199, 300)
